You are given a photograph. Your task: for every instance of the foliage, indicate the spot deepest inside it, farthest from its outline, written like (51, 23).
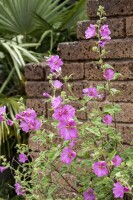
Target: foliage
(98, 166)
(10, 135)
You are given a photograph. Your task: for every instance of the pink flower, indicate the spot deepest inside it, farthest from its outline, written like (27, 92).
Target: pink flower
(119, 190)
(19, 190)
(45, 94)
(89, 194)
(117, 160)
(2, 112)
(29, 113)
(55, 63)
(67, 129)
(64, 113)
(9, 122)
(57, 84)
(30, 124)
(72, 143)
(85, 91)
(109, 74)
(56, 102)
(67, 155)
(2, 168)
(90, 32)
(105, 31)
(91, 92)
(107, 119)
(23, 158)
(100, 168)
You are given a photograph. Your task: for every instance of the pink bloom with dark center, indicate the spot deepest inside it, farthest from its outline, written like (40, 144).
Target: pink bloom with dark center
(45, 94)
(105, 31)
(2, 168)
(68, 130)
(57, 84)
(55, 63)
(119, 190)
(89, 194)
(29, 113)
(109, 74)
(56, 102)
(30, 124)
(117, 160)
(23, 158)
(90, 32)
(19, 190)
(64, 113)
(67, 155)
(93, 92)
(107, 119)
(9, 122)
(100, 168)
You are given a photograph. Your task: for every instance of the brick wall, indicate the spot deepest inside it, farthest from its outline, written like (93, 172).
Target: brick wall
(78, 57)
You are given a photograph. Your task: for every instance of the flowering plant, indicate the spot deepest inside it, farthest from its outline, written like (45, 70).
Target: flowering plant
(78, 159)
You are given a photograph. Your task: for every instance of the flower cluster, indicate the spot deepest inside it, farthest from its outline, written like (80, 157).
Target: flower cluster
(65, 114)
(28, 120)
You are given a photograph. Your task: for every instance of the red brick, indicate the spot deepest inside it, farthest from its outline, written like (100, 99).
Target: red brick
(36, 89)
(129, 26)
(112, 8)
(35, 71)
(93, 72)
(82, 50)
(38, 105)
(116, 25)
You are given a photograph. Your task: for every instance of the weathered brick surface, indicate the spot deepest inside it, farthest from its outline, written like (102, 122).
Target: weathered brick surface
(38, 105)
(112, 8)
(117, 27)
(76, 89)
(35, 71)
(126, 115)
(129, 26)
(76, 70)
(36, 89)
(125, 130)
(82, 50)
(93, 72)
(126, 91)
(77, 50)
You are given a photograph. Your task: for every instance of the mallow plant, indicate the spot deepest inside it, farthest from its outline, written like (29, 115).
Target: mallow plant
(78, 159)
